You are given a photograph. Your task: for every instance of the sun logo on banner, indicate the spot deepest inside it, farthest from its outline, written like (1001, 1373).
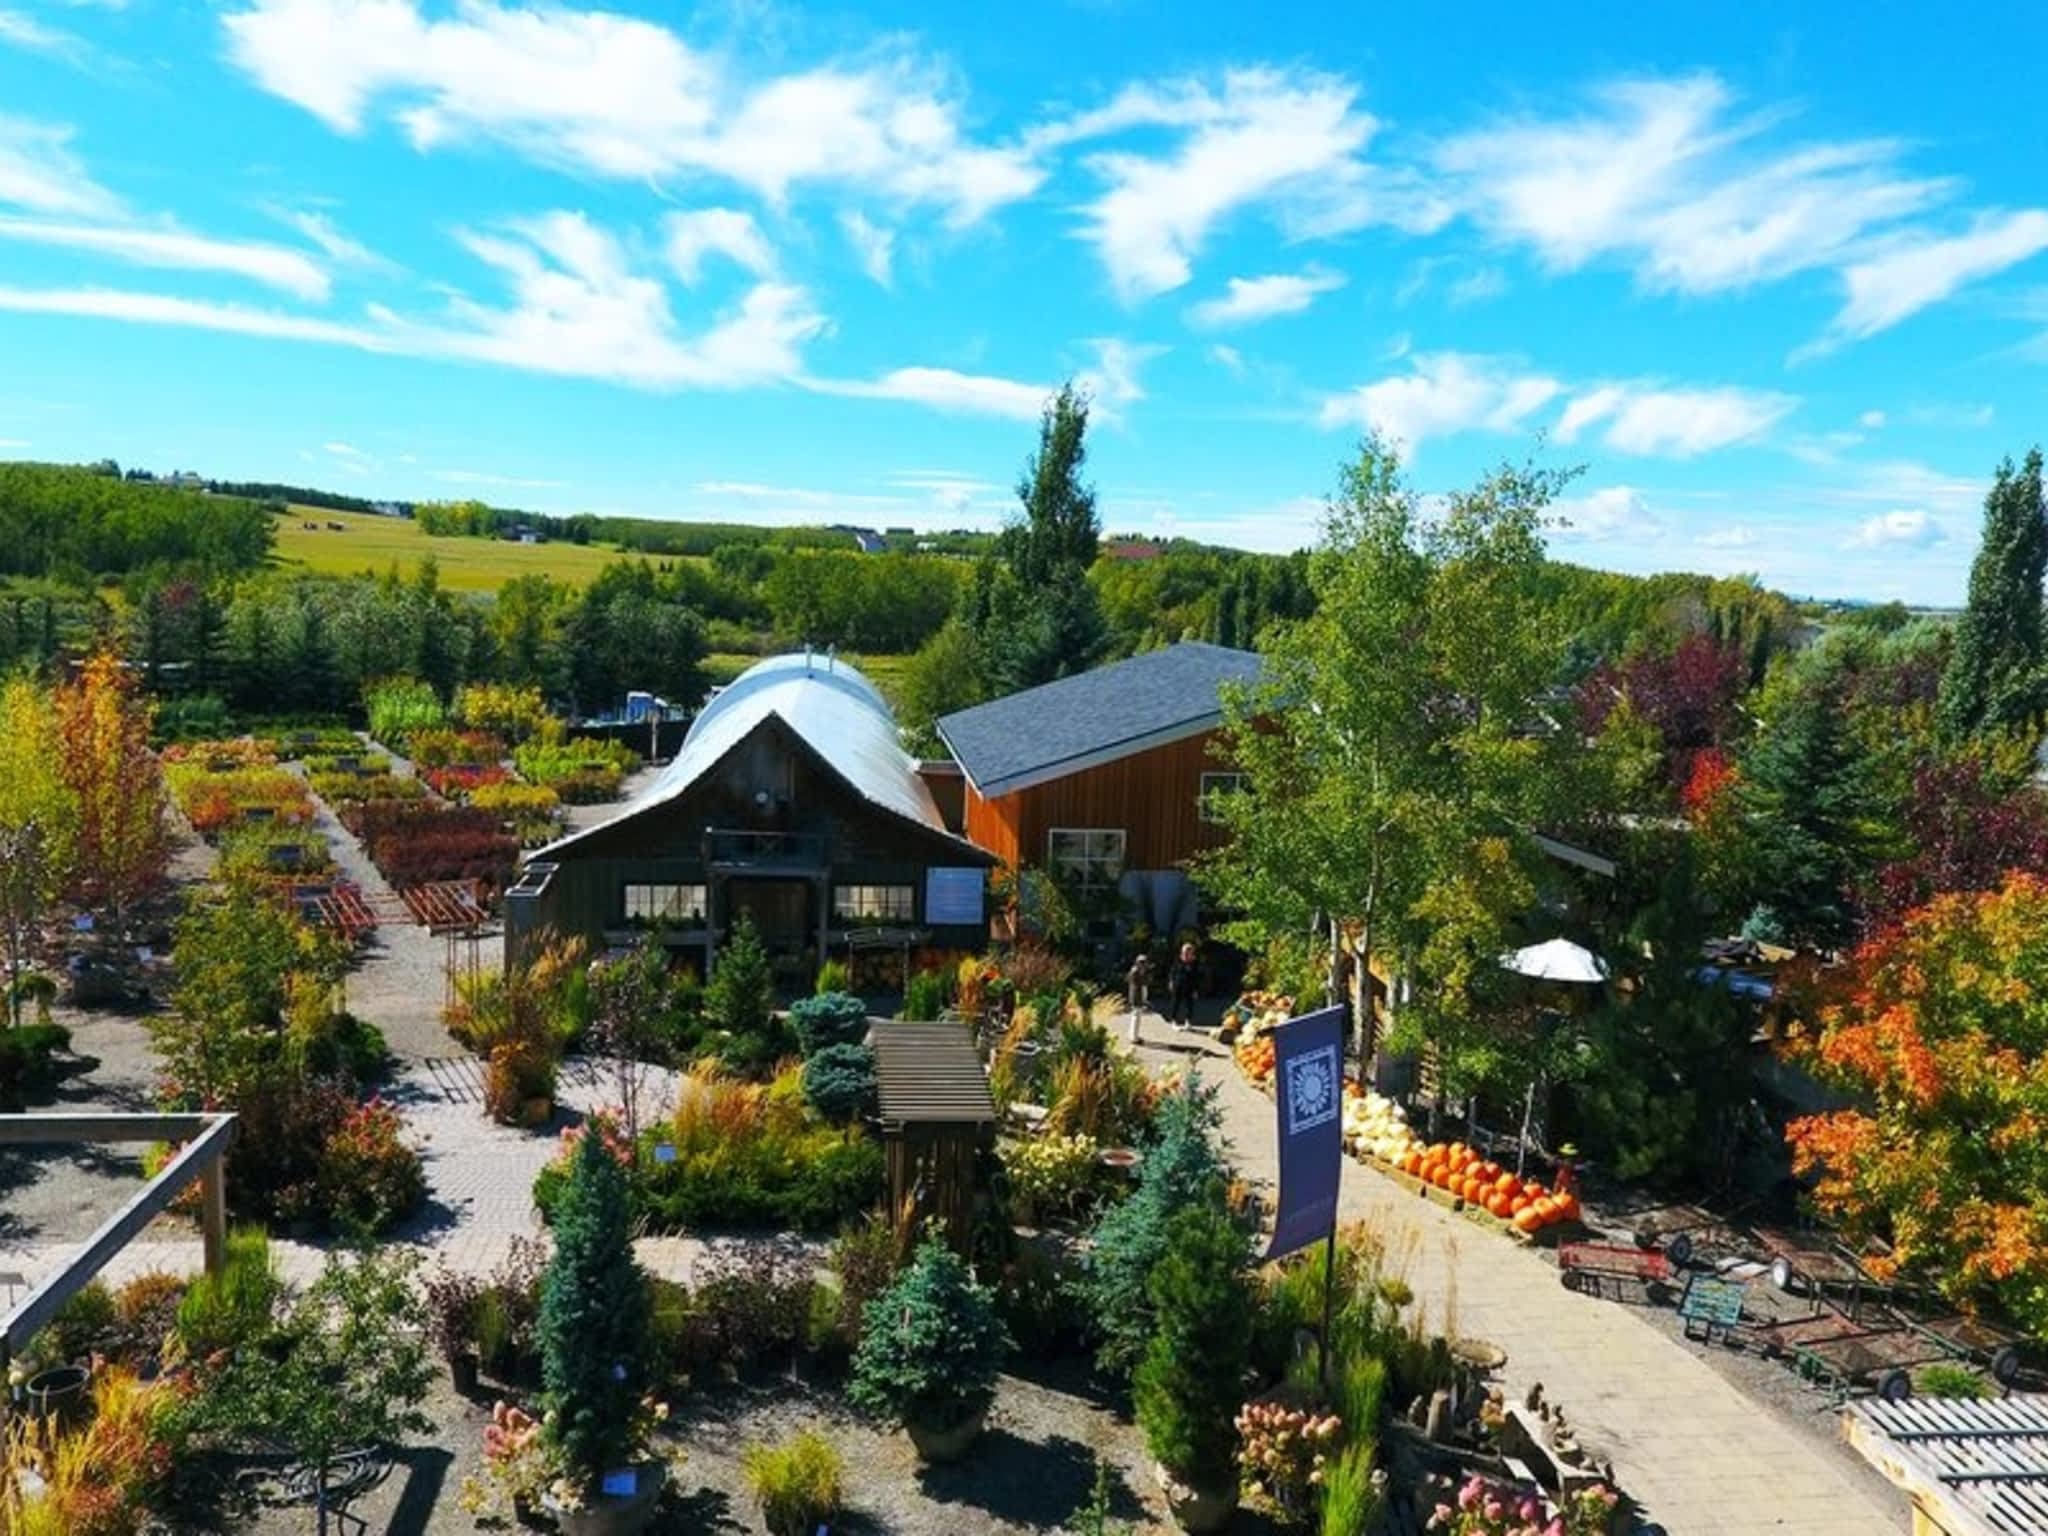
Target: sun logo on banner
(1311, 1090)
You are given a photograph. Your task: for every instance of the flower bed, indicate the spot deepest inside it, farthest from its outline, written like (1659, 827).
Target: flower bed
(399, 706)
(214, 800)
(340, 789)
(413, 843)
(581, 772)
(460, 783)
(446, 748)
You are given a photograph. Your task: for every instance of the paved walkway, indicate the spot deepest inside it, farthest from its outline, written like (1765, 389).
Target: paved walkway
(1700, 1457)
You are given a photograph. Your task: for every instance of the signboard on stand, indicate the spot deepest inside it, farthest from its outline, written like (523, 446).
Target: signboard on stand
(1308, 1093)
(953, 897)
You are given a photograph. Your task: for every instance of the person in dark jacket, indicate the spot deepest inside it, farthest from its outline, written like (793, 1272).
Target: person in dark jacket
(1181, 982)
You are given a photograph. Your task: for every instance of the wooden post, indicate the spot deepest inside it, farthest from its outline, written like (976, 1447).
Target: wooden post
(213, 1213)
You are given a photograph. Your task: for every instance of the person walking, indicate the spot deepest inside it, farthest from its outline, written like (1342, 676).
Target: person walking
(1138, 988)
(1181, 984)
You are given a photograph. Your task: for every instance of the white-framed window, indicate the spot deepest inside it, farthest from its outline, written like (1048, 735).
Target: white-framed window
(665, 903)
(874, 903)
(1090, 857)
(1215, 785)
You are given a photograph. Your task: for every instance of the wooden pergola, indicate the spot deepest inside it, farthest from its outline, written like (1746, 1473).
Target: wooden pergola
(205, 1139)
(936, 1115)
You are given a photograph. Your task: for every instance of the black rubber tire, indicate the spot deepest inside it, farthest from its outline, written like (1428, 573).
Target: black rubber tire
(1679, 1248)
(2005, 1365)
(1781, 1275)
(1645, 1239)
(1894, 1386)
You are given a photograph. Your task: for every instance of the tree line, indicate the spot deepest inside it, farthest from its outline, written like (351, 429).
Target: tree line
(70, 523)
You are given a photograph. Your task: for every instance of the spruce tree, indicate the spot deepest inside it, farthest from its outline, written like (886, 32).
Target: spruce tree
(1993, 681)
(593, 1318)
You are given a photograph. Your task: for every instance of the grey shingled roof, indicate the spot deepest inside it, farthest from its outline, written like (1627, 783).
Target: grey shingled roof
(1094, 717)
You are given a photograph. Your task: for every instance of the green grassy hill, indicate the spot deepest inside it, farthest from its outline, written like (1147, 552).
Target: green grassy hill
(367, 542)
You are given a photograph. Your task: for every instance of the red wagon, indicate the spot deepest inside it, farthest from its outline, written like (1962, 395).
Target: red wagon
(1590, 1267)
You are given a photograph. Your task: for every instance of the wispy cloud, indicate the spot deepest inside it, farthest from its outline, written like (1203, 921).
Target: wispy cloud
(1673, 422)
(946, 389)
(275, 266)
(1908, 274)
(874, 245)
(342, 249)
(18, 29)
(728, 232)
(40, 172)
(613, 95)
(1909, 528)
(1251, 299)
(484, 477)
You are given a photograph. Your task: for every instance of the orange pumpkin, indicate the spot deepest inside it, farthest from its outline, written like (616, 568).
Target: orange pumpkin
(1499, 1205)
(1474, 1188)
(1508, 1185)
(1526, 1219)
(1567, 1206)
(1489, 1171)
(1519, 1204)
(1546, 1210)
(1411, 1162)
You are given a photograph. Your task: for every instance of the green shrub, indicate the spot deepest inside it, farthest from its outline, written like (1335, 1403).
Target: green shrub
(800, 1483)
(81, 1324)
(28, 1055)
(1190, 1384)
(1037, 1291)
(931, 1345)
(1945, 1380)
(593, 1319)
(398, 706)
(828, 1019)
(1049, 1176)
(1183, 1169)
(234, 1307)
(747, 1310)
(863, 1264)
(925, 998)
(839, 1082)
(369, 1176)
(834, 976)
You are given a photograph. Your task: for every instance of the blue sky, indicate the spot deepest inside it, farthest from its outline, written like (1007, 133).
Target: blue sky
(1781, 286)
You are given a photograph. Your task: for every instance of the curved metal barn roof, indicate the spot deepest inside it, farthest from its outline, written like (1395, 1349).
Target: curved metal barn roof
(826, 702)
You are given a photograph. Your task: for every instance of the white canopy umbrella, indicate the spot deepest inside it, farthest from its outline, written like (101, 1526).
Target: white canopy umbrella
(1556, 960)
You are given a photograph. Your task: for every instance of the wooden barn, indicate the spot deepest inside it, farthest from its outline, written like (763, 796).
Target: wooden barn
(791, 800)
(1106, 777)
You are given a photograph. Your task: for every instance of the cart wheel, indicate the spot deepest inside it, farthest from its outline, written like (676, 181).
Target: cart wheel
(2005, 1366)
(1781, 1274)
(1895, 1386)
(1680, 1248)
(1645, 1239)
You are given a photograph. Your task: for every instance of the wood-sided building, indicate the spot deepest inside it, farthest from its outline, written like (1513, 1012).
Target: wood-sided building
(1106, 777)
(793, 801)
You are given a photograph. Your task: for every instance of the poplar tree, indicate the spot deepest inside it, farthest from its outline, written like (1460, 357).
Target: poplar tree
(1993, 682)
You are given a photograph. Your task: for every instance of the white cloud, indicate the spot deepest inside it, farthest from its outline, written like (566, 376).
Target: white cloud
(1113, 382)
(1907, 528)
(338, 247)
(1735, 536)
(1613, 513)
(1442, 394)
(1870, 421)
(946, 389)
(1673, 423)
(22, 30)
(39, 172)
(1908, 274)
(617, 96)
(1266, 137)
(275, 266)
(13, 442)
(1228, 357)
(726, 232)
(874, 245)
(1659, 173)
(344, 450)
(1251, 299)
(577, 308)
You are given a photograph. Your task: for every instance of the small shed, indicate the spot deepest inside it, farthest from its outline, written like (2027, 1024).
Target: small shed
(1970, 1468)
(937, 1115)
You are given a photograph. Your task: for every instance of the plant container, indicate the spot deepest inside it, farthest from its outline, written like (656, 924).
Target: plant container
(59, 1393)
(948, 1443)
(611, 1514)
(463, 1370)
(1196, 1510)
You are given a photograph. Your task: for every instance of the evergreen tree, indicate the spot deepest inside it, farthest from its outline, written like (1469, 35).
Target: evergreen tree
(593, 1318)
(1806, 817)
(1190, 1384)
(1994, 681)
(1060, 531)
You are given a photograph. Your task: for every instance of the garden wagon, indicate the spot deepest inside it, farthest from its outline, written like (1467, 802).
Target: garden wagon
(1585, 1267)
(1842, 1349)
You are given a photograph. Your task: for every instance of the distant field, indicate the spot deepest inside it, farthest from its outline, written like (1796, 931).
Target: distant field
(885, 672)
(372, 543)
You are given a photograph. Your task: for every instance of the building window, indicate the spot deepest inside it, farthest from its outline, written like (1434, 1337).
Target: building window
(653, 904)
(874, 903)
(1089, 857)
(1213, 785)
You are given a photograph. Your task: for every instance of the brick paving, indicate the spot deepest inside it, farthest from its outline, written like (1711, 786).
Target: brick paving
(1700, 1457)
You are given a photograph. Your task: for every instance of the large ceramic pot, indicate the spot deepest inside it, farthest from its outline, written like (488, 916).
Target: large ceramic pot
(949, 1442)
(1196, 1509)
(616, 1514)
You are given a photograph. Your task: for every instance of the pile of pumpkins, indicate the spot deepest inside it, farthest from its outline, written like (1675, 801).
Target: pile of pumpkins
(1375, 1126)
(1256, 1055)
(1458, 1170)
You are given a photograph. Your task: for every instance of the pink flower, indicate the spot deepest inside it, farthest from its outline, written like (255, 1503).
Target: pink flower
(1470, 1495)
(1493, 1510)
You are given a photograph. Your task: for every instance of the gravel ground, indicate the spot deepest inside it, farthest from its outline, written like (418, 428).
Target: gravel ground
(1032, 1471)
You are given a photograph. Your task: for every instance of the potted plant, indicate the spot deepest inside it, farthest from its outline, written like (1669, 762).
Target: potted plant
(930, 1348)
(593, 1330)
(1190, 1383)
(453, 1303)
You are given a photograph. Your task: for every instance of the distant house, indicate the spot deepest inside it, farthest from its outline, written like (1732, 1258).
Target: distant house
(1133, 549)
(1106, 777)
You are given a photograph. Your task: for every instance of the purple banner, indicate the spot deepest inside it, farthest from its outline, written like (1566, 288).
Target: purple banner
(1308, 1093)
